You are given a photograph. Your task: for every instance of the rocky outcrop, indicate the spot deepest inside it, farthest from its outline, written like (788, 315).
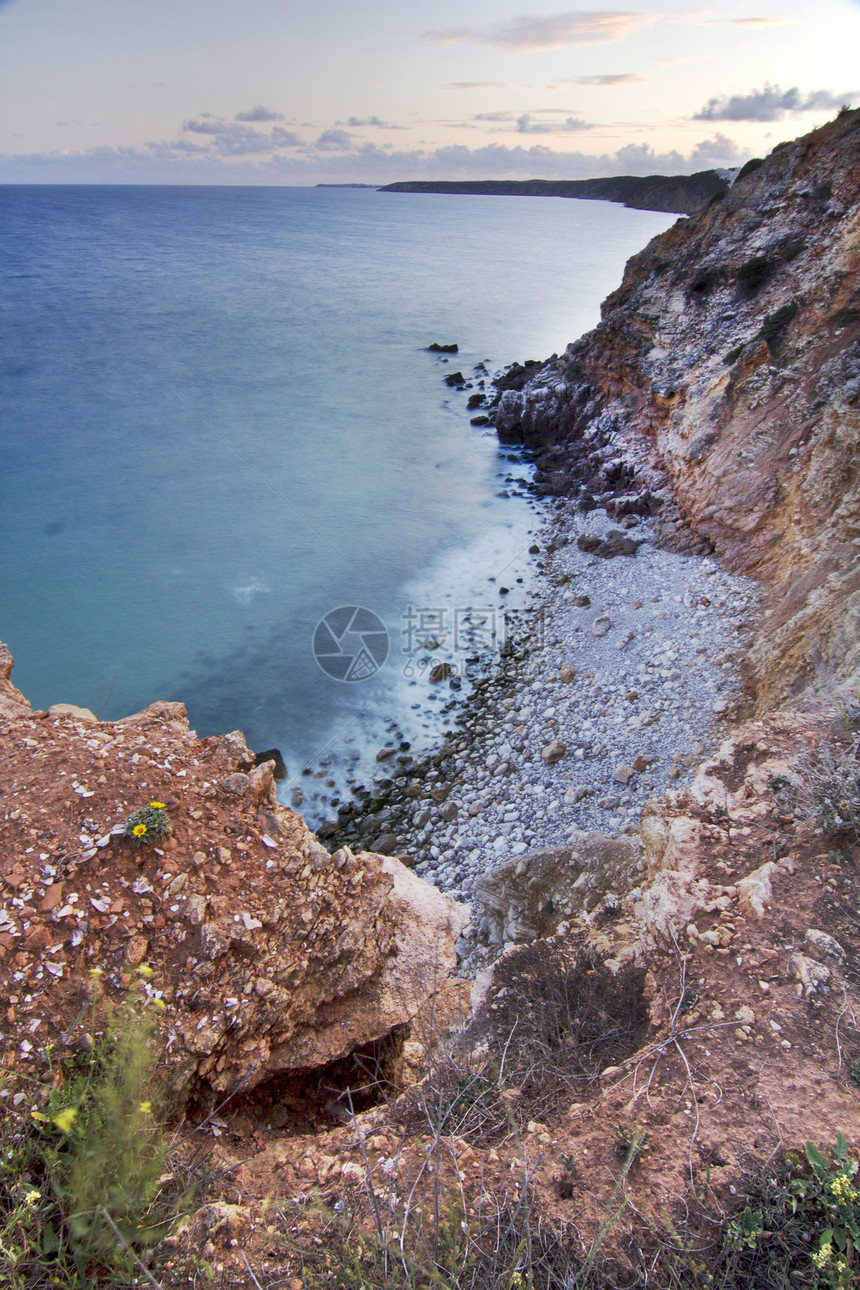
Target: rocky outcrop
(12, 701)
(265, 954)
(529, 896)
(721, 394)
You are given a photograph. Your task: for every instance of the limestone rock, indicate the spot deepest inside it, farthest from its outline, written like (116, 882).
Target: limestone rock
(755, 891)
(526, 897)
(73, 711)
(812, 977)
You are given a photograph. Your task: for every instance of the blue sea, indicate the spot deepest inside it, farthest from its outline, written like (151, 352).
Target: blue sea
(220, 424)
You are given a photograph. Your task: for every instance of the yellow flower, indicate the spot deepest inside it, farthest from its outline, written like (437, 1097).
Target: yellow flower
(842, 1190)
(159, 806)
(159, 1004)
(65, 1119)
(145, 971)
(139, 830)
(145, 1108)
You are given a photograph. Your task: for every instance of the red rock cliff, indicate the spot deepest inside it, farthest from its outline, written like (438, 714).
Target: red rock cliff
(720, 394)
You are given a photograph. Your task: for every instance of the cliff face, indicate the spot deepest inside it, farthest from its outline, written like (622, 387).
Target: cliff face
(720, 394)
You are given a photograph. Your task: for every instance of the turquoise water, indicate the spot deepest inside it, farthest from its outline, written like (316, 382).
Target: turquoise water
(219, 423)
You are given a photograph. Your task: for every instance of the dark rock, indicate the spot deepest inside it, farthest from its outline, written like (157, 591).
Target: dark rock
(436, 348)
(479, 421)
(272, 754)
(385, 845)
(616, 543)
(440, 672)
(455, 378)
(475, 401)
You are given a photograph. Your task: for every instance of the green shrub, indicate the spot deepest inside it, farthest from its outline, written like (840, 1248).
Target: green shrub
(751, 165)
(81, 1193)
(754, 273)
(734, 354)
(775, 324)
(830, 788)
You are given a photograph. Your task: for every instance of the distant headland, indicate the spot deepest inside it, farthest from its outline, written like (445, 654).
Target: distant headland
(683, 194)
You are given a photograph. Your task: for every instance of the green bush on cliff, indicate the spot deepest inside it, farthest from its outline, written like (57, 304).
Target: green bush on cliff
(81, 1190)
(754, 273)
(775, 324)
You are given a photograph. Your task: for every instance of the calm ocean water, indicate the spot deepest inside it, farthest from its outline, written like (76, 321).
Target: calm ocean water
(219, 424)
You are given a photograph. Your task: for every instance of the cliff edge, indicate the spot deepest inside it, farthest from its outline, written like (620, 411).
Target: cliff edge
(720, 392)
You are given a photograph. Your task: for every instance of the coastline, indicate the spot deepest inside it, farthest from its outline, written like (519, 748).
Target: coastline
(609, 689)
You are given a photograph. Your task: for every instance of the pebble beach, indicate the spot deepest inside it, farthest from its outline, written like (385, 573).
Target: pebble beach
(614, 686)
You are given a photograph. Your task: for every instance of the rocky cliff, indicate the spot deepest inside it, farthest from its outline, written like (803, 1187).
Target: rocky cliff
(272, 959)
(720, 393)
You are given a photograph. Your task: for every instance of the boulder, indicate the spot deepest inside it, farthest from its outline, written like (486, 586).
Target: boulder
(525, 897)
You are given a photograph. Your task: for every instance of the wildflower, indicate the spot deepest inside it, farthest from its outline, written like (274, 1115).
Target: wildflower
(159, 1004)
(145, 1108)
(65, 1119)
(139, 830)
(842, 1190)
(145, 971)
(159, 806)
(96, 972)
(822, 1257)
(32, 1196)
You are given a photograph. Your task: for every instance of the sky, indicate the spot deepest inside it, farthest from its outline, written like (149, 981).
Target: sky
(371, 91)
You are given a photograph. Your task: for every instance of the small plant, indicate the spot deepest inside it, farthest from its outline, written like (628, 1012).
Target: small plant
(630, 1145)
(148, 825)
(832, 1192)
(849, 710)
(830, 793)
(81, 1175)
(734, 354)
(746, 1232)
(854, 1072)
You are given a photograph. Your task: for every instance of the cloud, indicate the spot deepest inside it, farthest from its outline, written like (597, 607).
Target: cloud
(745, 22)
(526, 124)
(494, 116)
(228, 158)
(768, 104)
(334, 141)
(234, 140)
(358, 122)
(479, 85)
(260, 114)
(208, 127)
(531, 32)
(621, 78)
(282, 138)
